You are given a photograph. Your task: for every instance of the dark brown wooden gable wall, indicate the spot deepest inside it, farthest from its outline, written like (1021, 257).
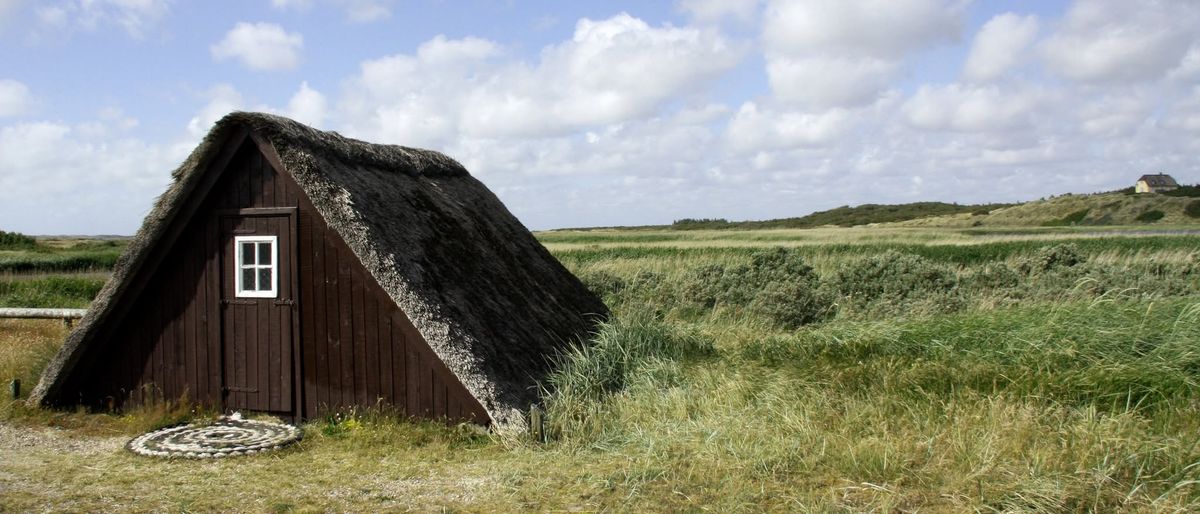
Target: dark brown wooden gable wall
(357, 348)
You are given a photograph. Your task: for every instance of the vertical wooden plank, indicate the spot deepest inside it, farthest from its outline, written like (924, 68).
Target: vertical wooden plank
(383, 340)
(291, 364)
(453, 406)
(304, 309)
(161, 344)
(316, 303)
(370, 318)
(245, 179)
(191, 264)
(260, 324)
(439, 396)
(357, 317)
(332, 326)
(166, 340)
(274, 337)
(212, 290)
(427, 385)
(399, 365)
(413, 364)
(345, 303)
(180, 292)
(267, 175)
(203, 395)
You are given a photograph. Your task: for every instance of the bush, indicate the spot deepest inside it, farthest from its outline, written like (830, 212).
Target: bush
(996, 276)
(791, 304)
(776, 284)
(645, 284)
(1192, 209)
(743, 283)
(1150, 216)
(703, 286)
(15, 241)
(602, 283)
(1049, 258)
(892, 276)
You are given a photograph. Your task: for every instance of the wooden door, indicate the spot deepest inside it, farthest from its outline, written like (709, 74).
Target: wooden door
(257, 309)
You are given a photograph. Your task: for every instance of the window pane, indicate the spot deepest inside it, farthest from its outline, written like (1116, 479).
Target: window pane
(248, 279)
(247, 253)
(264, 279)
(264, 253)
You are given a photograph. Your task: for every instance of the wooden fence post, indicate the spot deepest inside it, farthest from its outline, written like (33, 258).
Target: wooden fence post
(537, 426)
(14, 388)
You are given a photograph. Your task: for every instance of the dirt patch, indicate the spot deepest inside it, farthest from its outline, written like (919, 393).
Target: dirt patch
(16, 441)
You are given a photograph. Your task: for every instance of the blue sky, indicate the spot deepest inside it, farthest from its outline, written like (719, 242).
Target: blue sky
(610, 113)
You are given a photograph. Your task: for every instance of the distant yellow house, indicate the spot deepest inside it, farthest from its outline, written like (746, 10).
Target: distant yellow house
(1156, 183)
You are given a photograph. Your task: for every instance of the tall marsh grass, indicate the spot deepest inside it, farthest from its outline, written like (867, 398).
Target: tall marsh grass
(1015, 376)
(49, 291)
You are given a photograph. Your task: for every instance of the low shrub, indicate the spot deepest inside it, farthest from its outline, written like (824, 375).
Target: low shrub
(777, 284)
(15, 241)
(791, 304)
(1150, 216)
(743, 283)
(1192, 209)
(602, 283)
(1048, 258)
(702, 286)
(891, 277)
(996, 275)
(1071, 219)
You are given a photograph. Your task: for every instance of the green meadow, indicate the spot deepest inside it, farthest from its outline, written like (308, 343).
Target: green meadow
(1041, 369)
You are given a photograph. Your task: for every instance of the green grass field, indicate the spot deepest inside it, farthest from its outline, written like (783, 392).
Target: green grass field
(870, 369)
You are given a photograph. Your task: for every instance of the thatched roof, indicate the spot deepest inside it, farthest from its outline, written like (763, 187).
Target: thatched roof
(490, 300)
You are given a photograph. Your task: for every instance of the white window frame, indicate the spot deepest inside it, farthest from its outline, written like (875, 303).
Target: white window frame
(238, 266)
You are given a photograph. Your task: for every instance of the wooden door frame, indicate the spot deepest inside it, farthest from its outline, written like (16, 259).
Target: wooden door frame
(292, 214)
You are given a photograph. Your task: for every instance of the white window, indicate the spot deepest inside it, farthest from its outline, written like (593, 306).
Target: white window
(255, 273)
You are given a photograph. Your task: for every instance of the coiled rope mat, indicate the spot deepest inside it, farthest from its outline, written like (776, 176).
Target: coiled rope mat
(228, 436)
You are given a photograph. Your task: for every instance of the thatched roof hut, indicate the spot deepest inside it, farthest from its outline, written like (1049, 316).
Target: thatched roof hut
(386, 274)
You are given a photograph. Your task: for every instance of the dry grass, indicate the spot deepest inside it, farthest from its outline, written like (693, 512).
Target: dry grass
(1012, 409)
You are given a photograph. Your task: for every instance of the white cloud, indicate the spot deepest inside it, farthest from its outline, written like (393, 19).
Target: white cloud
(715, 10)
(874, 28)
(307, 106)
(753, 129)
(365, 11)
(832, 53)
(824, 82)
(91, 178)
(15, 99)
(260, 46)
(970, 108)
(1117, 114)
(1189, 66)
(221, 100)
(1120, 41)
(135, 17)
(298, 5)
(999, 46)
(611, 71)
